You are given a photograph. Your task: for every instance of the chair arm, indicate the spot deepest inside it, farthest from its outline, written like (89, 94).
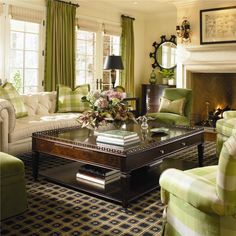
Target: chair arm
(7, 108)
(195, 190)
(229, 114)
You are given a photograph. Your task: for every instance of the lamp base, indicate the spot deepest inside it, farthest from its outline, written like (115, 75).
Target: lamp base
(113, 77)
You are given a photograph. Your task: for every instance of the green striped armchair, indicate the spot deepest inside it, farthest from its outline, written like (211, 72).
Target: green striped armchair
(201, 201)
(225, 128)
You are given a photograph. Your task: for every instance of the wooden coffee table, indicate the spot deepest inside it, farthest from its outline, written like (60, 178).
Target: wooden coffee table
(138, 164)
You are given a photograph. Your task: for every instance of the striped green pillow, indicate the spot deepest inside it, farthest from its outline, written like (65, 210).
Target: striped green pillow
(69, 100)
(7, 91)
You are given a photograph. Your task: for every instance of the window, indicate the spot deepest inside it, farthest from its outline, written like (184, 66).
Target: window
(24, 55)
(111, 45)
(86, 58)
(21, 60)
(92, 48)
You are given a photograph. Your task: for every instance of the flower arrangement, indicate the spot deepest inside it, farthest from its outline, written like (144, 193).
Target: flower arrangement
(105, 107)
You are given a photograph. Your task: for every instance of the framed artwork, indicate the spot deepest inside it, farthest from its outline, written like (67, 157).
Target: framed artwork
(218, 25)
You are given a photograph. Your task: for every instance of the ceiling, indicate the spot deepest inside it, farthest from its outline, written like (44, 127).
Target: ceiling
(142, 6)
(139, 6)
(148, 6)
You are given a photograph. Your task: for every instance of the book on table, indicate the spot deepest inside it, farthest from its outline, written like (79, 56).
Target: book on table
(93, 184)
(97, 170)
(97, 179)
(117, 141)
(118, 134)
(97, 176)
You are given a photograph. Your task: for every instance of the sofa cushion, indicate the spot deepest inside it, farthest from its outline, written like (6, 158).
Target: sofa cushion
(169, 118)
(175, 106)
(226, 126)
(42, 103)
(69, 100)
(28, 125)
(7, 91)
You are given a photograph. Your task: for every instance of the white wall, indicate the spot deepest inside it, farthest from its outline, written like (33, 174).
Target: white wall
(162, 23)
(192, 12)
(202, 57)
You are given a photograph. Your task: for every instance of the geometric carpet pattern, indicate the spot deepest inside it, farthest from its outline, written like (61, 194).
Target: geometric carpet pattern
(56, 210)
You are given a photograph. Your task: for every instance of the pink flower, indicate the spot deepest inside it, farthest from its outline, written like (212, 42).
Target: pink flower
(114, 94)
(101, 103)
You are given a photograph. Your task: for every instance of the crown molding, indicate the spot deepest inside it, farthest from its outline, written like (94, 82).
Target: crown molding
(203, 4)
(217, 47)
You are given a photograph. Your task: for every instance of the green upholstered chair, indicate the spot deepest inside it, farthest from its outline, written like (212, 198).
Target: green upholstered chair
(13, 189)
(225, 128)
(201, 201)
(173, 116)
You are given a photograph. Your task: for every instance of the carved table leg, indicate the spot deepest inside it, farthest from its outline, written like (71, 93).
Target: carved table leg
(35, 165)
(125, 183)
(200, 148)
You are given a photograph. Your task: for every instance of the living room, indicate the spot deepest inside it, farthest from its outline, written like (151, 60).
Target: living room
(42, 152)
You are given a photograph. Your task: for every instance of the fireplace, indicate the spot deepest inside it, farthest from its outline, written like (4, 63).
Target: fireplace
(210, 71)
(212, 93)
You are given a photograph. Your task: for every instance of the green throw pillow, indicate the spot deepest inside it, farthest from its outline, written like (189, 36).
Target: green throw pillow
(69, 100)
(7, 91)
(175, 106)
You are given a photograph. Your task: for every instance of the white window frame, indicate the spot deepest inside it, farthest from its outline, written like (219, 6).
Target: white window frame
(5, 48)
(98, 28)
(95, 57)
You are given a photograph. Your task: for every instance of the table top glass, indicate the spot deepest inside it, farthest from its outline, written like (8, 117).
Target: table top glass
(83, 137)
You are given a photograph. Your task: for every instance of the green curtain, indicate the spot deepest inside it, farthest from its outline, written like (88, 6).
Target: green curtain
(127, 53)
(60, 45)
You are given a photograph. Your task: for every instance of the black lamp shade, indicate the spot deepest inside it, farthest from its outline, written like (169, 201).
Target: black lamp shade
(113, 62)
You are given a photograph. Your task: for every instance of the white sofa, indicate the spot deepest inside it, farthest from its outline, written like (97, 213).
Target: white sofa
(15, 134)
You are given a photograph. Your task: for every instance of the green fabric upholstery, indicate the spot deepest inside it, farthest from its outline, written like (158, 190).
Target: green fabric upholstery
(226, 175)
(69, 100)
(8, 92)
(127, 53)
(225, 128)
(13, 189)
(202, 201)
(172, 118)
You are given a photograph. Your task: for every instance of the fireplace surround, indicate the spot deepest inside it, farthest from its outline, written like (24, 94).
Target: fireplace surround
(210, 71)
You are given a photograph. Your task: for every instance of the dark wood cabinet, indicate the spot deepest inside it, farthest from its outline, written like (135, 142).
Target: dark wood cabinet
(151, 94)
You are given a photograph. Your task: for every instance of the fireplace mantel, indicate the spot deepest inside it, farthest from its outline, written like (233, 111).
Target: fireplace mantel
(218, 47)
(204, 59)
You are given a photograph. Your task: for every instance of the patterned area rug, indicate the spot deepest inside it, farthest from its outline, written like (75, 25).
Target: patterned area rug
(55, 210)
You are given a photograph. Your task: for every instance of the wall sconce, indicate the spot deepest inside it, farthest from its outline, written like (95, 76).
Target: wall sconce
(183, 31)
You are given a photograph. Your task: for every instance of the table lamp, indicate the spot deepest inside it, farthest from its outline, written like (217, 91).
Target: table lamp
(113, 63)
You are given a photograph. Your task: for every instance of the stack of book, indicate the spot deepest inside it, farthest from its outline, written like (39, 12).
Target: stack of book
(96, 176)
(117, 137)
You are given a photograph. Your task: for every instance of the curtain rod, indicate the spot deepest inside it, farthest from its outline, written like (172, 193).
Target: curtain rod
(128, 17)
(70, 3)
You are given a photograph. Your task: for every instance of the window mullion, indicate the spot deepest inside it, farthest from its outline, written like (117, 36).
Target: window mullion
(6, 28)
(41, 56)
(99, 57)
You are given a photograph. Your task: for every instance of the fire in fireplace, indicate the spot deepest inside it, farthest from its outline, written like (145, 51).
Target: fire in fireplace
(213, 116)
